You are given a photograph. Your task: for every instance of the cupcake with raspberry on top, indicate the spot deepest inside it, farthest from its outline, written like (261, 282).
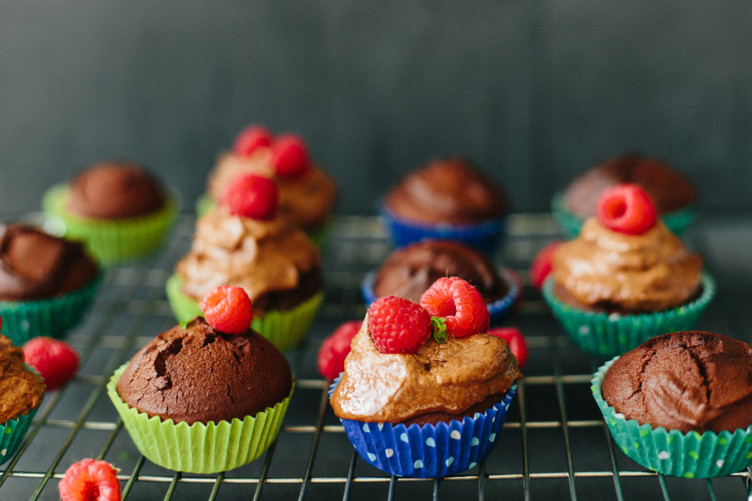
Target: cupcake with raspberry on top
(306, 193)
(425, 390)
(246, 242)
(626, 278)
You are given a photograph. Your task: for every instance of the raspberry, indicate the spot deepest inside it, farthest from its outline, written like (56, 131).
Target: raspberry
(251, 195)
(334, 349)
(397, 325)
(290, 156)
(90, 480)
(228, 309)
(541, 266)
(459, 303)
(56, 361)
(516, 342)
(250, 139)
(626, 208)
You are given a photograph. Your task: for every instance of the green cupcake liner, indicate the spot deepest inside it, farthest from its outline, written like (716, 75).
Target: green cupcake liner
(285, 329)
(607, 335)
(199, 448)
(23, 320)
(113, 242)
(671, 452)
(12, 433)
(677, 222)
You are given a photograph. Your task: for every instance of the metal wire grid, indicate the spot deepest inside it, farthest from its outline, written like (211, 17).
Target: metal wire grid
(554, 444)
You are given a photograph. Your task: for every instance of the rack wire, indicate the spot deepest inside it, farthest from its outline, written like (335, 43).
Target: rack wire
(554, 444)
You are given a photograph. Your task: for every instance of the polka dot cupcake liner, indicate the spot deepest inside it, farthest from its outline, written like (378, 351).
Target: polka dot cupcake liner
(677, 222)
(113, 242)
(607, 335)
(671, 452)
(285, 329)
(486, 236)
(12, 433)
(199, 448)
(54, 317)
(498, 311)
(428, 451)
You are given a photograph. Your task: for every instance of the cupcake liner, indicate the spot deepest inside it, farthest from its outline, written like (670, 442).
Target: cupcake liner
(498, 310)
(113, 242)
(485, 236)
(23, 320)
(199, 448)
(12, 433)
(428, 451)
(285, 329)
(677, 221)
(671, 452)
(607, 335)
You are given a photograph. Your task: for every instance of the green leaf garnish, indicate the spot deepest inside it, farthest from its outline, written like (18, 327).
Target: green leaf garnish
(439, 329)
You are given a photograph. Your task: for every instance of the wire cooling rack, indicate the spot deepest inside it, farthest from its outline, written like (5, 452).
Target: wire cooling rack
(554, 444)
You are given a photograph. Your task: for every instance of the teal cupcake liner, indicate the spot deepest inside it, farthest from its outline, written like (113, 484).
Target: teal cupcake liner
(113, 242)
(671, 452)
(677, 222)
(12, 433)
(607, 335)
(285, 329)
(54, 317)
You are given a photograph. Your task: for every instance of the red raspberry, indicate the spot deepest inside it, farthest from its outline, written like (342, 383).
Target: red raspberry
(90, 480)
(228, 309)
(56, 361)
(541, 266)
(334, 349)
(516, 342)
(397, 325)
(459, 303)
(251, 195)
(290, 156)
(250, 139)
(626, 208)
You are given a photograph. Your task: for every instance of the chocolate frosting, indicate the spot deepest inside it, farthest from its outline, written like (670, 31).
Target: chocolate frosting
(611, 271)
(20, 388)
(115, 190)
(35, 265)
(668, 189)
(448, 378)
(196, 374)
(408, 272)
(276, 263)
(689, 380)
(306, 201)
(451, 190)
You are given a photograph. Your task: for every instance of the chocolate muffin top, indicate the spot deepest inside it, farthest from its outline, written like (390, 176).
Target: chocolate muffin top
(115, 190)
(688, 380)
(408, 272)
(36, 265)
(197, 374)
(20, 388)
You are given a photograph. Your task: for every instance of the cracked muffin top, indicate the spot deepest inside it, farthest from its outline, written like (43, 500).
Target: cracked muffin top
(197, 374)
(688, 381)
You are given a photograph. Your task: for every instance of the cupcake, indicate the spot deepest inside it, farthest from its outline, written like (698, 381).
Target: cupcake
(306, 193)
(625, 278)
(21, 394)
(408, 271)
(245, 242)
(47, 283)
(118, 209)
(448, 199)
(673, 195)
(415, 404)
(681, 403)
(207, 397)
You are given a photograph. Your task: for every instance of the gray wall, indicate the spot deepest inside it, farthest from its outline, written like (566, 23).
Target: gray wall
(534, 90)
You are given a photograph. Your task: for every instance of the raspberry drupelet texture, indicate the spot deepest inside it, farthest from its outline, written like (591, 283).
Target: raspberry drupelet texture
(459, 303)
(228, 309)
(290, 156)
(90, 480)
(626, 208)
(334, 349)
(55, 360)
(250, 139)
(397, 325)
(516, 341)
(251, 195)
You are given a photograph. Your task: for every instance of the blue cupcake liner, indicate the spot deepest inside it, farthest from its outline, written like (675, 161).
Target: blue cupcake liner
(498, 311)
(428, 451)
(485, 236)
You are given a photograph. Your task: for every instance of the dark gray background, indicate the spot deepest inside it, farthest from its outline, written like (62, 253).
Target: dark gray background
(533, 90)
